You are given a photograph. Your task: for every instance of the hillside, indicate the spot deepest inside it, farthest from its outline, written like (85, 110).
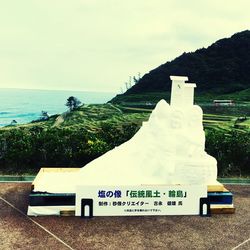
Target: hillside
(222, 68)
(73, 139)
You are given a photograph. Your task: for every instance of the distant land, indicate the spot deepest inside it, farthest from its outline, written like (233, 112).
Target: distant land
(222, 69)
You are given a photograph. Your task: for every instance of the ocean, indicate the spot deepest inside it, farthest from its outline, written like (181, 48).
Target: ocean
(25, 105)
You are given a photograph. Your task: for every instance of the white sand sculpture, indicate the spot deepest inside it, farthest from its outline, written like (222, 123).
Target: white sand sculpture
(168, 149)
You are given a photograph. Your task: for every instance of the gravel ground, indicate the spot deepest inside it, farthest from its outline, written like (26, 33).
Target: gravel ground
(156, 232)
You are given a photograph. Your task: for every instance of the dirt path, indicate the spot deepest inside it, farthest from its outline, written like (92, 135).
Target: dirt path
(60, 119)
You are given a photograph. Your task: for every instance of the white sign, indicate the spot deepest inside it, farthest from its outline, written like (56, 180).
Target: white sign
(139, 200)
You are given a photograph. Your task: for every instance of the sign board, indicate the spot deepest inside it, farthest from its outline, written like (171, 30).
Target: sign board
(140, 200)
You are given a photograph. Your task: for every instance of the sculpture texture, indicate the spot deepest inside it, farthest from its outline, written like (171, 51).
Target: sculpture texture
(168, 149)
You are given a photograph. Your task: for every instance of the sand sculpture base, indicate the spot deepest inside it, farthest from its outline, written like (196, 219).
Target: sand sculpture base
(63, 204)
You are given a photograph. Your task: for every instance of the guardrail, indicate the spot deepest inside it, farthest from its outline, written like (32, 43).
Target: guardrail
(17, 178)
(232, 181)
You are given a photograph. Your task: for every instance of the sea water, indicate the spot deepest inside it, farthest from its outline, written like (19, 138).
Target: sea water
(24, 105)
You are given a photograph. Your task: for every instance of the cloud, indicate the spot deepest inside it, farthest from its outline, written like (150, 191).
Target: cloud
(97, 45)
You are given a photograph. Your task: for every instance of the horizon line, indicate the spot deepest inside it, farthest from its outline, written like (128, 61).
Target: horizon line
(94, 91)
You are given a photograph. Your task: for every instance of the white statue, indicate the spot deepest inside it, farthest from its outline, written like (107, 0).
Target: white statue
(168, 149)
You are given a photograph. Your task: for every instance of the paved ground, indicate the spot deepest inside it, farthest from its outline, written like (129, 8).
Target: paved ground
(162, 232)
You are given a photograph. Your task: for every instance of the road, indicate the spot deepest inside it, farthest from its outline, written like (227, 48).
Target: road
(17, 231)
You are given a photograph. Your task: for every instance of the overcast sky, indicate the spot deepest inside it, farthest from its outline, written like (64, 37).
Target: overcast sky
(95, 45)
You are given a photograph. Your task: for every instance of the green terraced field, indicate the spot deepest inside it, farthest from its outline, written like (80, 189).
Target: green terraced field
(215, 121)
(75, 138)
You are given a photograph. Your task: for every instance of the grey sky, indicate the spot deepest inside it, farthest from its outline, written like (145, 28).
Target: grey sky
(97, 44)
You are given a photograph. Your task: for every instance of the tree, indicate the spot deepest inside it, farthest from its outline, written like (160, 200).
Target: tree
(44, 116)
(13, 123)
(73, 103)
(137, 79)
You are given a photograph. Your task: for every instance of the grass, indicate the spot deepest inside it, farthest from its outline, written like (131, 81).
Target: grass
(90, 117)
(215, 117)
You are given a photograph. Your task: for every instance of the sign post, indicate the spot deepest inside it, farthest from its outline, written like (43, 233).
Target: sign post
(139, 200)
